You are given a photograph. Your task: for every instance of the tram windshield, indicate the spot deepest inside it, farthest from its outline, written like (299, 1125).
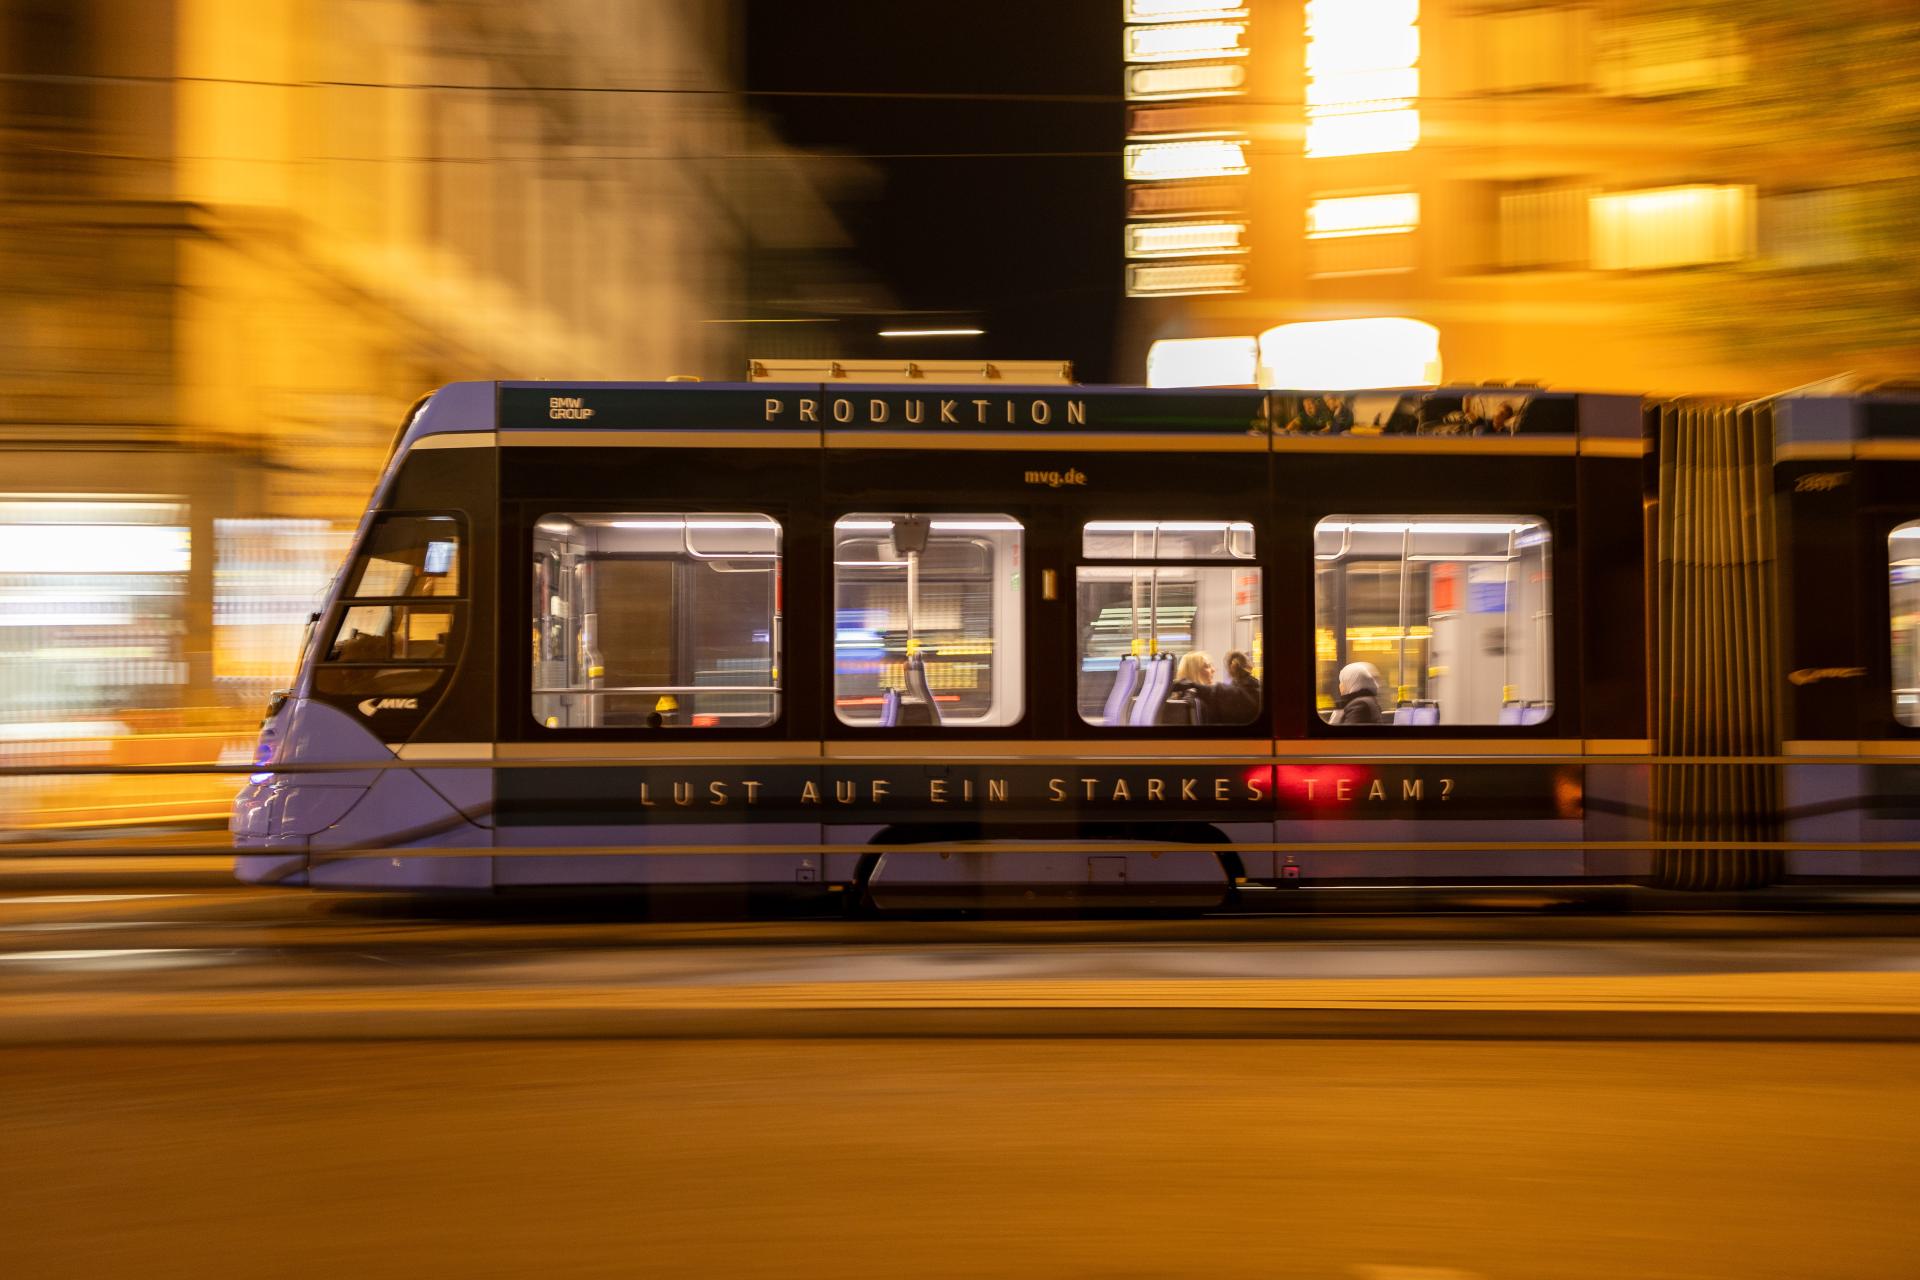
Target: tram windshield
(1433, 619)
(1169, 623)
(656, 620)
(927, 619)
(387, 639)
(1903, 585)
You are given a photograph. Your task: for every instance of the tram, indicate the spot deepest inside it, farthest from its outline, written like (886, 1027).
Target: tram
(1846, 487)
(1007, 642)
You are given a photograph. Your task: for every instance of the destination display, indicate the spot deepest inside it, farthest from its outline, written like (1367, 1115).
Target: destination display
(1492, 411)
(1148, 792)
(787, 407)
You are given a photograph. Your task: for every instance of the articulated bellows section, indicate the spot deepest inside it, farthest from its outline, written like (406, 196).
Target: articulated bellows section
(1716, 654)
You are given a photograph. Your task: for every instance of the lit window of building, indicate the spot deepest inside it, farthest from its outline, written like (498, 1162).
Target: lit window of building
(1187, 158)
(1388, 214)
(1671, 227)
(1186, 80)
(1169, 279)
(1181, 10)
(1178, 41)
(1345, 355)
(1185, 239)
(1203, 362)
(1364, 133)
(1363, 79)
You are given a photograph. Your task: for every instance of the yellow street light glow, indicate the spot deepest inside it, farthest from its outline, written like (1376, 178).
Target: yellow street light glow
(931, 333)
(1203, 362)
(1182, 40)
(1193, 158)
(1363, 133)
(1167, 279)
(1181, 10)
(1186, 80)
(1350, 355)
(1337, 216)
(1185, 239)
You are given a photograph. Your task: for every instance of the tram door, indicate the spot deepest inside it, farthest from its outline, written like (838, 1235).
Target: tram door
(631, 595)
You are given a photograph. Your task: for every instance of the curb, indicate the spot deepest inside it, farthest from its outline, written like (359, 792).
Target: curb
(1881, 1006)
(897, 1024)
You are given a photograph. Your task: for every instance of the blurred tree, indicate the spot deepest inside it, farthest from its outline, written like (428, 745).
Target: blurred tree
(1825, 118)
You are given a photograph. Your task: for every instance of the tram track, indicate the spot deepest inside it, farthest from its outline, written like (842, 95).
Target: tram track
(242, 964)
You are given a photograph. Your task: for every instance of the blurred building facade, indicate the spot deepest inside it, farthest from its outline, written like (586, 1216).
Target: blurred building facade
(1644, 195)
(238, 238)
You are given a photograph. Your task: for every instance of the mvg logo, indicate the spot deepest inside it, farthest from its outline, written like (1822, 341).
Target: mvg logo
(372, 705)
(1054, 479)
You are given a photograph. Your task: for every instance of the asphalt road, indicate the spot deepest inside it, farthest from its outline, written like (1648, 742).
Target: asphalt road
(1105, 1159)
(262, 1084)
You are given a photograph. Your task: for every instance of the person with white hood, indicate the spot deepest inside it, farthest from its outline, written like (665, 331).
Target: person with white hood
(1359, 701)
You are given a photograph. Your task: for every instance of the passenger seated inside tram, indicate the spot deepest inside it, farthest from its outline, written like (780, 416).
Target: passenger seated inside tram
(1338, 410)
(1192, 689)
(1482, 414)
(1403, 418)
(1238, 698)
(1487, 414)
(1359, 695)
(1442, 415)
(1235, 700)
(1505, 415)
(1322, 415)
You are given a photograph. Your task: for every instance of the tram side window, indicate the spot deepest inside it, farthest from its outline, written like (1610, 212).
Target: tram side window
(656, 620)
(927, 620)
(1433, 620)
(1170, 624)
(1903, 586)
(408, 556)
(392, 633)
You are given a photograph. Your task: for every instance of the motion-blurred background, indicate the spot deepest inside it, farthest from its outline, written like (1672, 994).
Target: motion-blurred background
(239, 237)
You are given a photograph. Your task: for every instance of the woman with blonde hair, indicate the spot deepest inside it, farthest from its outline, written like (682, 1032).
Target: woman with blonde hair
(1193, 685)
(1195, 669)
